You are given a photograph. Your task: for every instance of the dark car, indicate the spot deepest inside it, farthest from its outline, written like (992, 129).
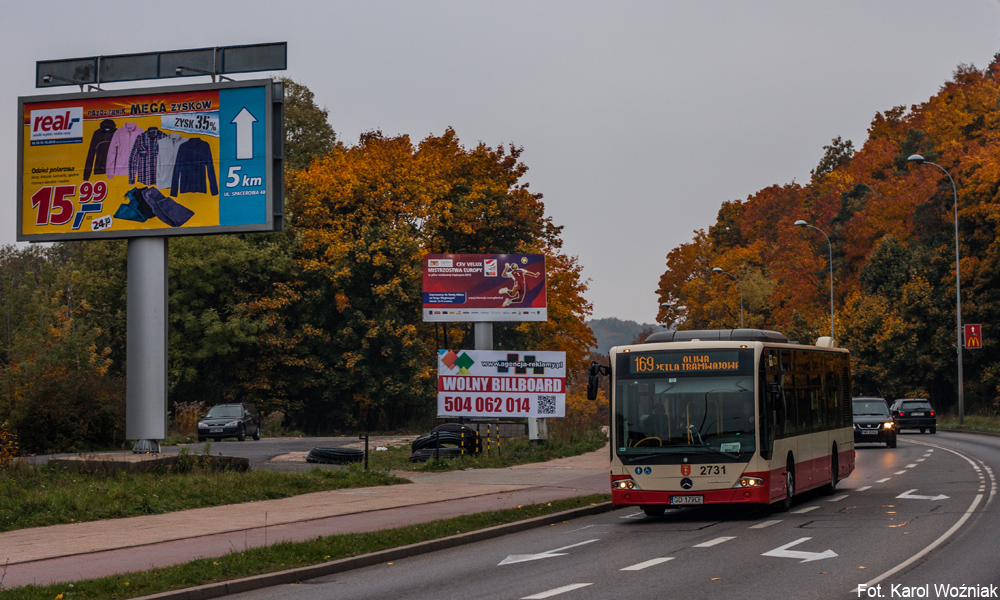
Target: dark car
(914, 413)
(872, 422)
(230, 420)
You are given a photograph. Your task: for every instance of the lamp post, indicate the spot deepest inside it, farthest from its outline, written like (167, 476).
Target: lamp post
(801, 223)
(916, 158)
(739, 283)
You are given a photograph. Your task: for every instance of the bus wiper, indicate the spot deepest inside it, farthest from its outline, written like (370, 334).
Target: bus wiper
(696, 434)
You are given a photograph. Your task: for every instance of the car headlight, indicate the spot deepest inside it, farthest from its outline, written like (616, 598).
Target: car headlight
(744, 482)
(202, 424)
(625, 484)
(232, 424)
(887, 425)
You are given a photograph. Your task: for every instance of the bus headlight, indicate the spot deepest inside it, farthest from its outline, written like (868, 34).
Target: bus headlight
(625, 484)
(745, 482)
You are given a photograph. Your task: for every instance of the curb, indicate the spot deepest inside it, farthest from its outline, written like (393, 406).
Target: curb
(256, 582)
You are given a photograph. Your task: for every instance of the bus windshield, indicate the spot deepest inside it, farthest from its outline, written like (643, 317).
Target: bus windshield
(685, 415)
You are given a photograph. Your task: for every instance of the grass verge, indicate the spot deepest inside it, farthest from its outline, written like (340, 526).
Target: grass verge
(286, 555)
(989, 424)
(34, 496)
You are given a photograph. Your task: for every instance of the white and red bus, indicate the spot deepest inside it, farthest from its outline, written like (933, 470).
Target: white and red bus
(726, 417)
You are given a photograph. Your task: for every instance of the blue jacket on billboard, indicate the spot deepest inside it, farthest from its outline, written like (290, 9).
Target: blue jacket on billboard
(97, 155)
(194, 165)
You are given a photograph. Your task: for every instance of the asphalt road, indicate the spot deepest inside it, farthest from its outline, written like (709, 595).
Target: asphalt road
(922, 514)
(260, 451)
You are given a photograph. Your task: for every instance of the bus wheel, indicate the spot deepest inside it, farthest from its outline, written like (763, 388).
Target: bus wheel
(831, 488)
(785, 504)
(654, 511)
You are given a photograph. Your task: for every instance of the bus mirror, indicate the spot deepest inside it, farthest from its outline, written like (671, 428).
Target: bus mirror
(594, 379)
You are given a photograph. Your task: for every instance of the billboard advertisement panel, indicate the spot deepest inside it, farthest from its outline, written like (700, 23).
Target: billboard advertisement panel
(501, 383)
(484, 287)
(166, 161)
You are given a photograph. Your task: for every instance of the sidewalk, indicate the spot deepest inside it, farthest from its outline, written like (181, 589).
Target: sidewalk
(77, 551)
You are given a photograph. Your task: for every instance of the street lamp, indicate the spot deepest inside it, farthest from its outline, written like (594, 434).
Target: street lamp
(916, 158)
(718, 270)
(801, 223)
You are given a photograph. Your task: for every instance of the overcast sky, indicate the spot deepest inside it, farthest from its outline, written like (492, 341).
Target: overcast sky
(637, 119)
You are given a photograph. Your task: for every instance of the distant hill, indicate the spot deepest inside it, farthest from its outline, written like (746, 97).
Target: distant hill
(615, 332)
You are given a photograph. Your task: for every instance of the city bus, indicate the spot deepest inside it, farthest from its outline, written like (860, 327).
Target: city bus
(741, 416)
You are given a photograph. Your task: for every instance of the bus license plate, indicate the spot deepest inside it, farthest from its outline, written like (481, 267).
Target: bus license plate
(687, 499)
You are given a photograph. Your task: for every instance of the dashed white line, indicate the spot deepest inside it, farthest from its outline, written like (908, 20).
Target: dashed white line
(911, 465)
(764, 524)
(921, 459)
(805, 510)
(861, 489)
(883, 480)
(649, 563)
(838, 498)
(556, 591)
(900, 472)
(714, 542)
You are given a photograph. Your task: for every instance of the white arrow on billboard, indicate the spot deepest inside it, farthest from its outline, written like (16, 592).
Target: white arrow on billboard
(516, 558)
(784, 552)
(911, 496)
(244, 133)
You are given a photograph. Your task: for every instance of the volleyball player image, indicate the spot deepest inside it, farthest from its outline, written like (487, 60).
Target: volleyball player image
(516, 292)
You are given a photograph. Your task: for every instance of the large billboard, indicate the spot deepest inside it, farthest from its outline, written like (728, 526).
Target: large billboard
(180, 160)
(501, 383)
(484, 287)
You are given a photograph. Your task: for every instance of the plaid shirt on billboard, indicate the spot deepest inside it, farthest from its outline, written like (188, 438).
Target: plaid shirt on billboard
(142, 161)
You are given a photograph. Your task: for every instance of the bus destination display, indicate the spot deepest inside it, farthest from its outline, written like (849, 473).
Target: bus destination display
(684, 362)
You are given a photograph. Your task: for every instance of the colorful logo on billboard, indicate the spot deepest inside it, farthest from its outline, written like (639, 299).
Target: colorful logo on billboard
(57, 126)
(973, 337)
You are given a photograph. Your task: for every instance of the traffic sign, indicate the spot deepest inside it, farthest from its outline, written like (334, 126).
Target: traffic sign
(973, 337)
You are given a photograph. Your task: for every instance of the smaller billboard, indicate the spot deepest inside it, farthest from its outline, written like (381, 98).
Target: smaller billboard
(501, 383)
(484, 287)
(973, 337)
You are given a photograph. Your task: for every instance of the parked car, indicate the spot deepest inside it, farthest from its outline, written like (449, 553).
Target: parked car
(230, 420)
(872, 422)
(914, 413)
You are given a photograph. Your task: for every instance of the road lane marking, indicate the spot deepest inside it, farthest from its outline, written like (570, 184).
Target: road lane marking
(921, 459)
(838, 498)
(516, 558)
(649, 563)
(899, 472)
(764, 524)
(911, 465)
(910, 495)
(925, 551)
(714, 542)
(557, 591)
(784, 552)
(883, 480)
(861, 489)
(804, 510)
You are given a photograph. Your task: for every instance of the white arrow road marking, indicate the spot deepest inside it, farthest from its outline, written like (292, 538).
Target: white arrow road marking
(649, 563)
(784, 552)
(556, 591)
(911, 496)
(714, 542)
(516, 558)
(244, 133)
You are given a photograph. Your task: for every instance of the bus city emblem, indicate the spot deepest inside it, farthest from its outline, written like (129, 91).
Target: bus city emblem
(685, 470)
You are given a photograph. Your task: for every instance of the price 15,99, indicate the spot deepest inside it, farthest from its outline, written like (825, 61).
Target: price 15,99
(53, 204)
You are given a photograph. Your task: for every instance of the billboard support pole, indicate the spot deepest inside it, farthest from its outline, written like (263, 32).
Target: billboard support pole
(146, 343)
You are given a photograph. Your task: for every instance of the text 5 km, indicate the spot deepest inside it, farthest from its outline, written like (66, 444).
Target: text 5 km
(486, 405)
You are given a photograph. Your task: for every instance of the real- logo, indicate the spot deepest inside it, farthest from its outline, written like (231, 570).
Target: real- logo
(57, 126)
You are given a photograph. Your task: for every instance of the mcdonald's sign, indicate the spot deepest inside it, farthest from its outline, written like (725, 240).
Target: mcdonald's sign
(973, 337)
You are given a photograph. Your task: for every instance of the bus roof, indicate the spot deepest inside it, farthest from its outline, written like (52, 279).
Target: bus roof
(718, 335)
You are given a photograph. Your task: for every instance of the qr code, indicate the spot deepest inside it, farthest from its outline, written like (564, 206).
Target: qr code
(546, 405)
